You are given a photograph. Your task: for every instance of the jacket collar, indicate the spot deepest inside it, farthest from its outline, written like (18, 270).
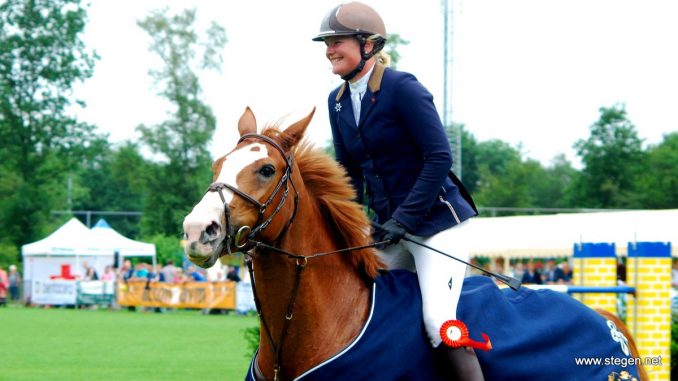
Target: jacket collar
(374, 83)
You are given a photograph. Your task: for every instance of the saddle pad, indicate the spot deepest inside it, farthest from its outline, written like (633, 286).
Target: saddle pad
(541, 334)
(536, 335)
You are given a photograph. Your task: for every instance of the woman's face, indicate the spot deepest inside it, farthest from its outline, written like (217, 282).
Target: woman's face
(343, 53)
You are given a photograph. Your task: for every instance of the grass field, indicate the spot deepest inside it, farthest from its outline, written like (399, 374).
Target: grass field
(65, 344)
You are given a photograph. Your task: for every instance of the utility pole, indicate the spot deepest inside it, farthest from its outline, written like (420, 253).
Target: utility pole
(447, 84)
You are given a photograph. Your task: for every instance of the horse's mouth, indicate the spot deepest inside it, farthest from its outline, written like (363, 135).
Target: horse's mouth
(204, 255)
(203, 249)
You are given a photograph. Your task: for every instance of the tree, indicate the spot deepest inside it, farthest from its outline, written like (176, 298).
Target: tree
(469, 156)
(183, 139)
(552, 189)
(394, 42)
(658, 184)
(41, 57)
(500, 176)
(612, 156)
(114, 180)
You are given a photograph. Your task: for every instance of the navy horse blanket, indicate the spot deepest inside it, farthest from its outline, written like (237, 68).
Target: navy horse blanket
(536, 335)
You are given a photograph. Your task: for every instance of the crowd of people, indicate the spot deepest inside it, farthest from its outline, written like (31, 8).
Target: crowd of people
(170, 273)
(11, 281)
(550, 272)
(534, 271)
(540, 272)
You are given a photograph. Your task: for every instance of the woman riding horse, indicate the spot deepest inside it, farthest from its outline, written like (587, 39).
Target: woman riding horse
(389, 137)
(328, 312)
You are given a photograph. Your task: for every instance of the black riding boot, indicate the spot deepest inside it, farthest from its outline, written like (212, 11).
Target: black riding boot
(461, 363)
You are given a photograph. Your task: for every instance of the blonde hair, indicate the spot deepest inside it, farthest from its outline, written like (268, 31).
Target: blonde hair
(383, 58)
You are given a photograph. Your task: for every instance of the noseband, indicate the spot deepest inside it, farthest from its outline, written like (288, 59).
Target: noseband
(286, 179)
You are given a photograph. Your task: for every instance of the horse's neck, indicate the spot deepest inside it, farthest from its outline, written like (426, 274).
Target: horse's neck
(331, 306)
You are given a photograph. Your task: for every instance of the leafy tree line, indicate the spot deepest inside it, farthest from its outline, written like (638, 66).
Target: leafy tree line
(51, 161)
(617, 172)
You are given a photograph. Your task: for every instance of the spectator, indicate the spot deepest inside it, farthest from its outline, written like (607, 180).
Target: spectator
(14, 283)
(109, 274)
(531, 275)
(216, 274)
(233, 274)
(140, 271)
(169, 271)
(517, 270)
(674, 273)
(90, 272)
(552, 273)
(567, 273)
(621, 271)
(195, 275)
(4, 285)
(126, 271)
(179, 276)
(156, 275)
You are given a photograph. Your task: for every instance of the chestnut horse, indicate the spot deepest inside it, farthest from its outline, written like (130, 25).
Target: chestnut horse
(327, 309)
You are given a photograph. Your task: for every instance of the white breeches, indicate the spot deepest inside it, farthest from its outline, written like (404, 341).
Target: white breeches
(440, 277)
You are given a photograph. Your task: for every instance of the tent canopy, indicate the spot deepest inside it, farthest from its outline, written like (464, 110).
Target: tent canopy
(73, 244)
(112, 241)
(72, 238)
(555, 235)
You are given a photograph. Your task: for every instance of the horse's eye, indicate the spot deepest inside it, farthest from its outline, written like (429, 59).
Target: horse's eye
(267, 170)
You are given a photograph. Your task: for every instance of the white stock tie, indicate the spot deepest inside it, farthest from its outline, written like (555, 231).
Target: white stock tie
(356, 98)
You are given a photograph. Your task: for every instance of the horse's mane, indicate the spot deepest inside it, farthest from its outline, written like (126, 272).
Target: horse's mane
(327, 183)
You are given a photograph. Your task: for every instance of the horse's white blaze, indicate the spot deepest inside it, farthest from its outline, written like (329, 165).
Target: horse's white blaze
(211, 208)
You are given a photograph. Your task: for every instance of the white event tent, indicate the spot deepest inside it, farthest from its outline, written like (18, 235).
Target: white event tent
(73, 244)
(555, 235)
(112, 241)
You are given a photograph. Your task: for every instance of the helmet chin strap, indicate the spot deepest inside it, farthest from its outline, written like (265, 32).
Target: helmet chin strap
(378, 45)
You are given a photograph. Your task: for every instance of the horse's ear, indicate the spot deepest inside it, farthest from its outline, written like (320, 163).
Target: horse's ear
(247, 123)
(293, 134)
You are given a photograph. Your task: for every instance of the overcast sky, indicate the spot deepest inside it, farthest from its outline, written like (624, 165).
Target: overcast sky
(529, 72)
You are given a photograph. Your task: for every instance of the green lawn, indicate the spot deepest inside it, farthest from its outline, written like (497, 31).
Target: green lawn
(64, 344)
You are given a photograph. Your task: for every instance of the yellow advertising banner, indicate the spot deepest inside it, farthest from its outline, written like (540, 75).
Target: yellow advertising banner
(212, 295)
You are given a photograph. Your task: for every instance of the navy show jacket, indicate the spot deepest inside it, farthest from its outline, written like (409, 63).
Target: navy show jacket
(398, 154)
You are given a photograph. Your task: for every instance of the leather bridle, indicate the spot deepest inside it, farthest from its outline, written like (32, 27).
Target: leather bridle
(239, 240)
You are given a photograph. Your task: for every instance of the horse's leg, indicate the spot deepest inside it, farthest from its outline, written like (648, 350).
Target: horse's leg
(632, 344)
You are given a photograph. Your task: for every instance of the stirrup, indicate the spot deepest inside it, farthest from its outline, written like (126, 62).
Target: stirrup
(455, 334)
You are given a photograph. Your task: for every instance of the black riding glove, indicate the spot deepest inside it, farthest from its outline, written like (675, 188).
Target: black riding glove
(393, 231)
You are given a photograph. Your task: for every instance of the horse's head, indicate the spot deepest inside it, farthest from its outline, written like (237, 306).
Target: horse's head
(252, 193)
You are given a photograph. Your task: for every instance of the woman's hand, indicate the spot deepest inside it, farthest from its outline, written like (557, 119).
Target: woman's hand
(392, 231)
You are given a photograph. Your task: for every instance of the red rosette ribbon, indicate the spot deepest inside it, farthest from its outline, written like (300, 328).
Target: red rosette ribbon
(455, 334)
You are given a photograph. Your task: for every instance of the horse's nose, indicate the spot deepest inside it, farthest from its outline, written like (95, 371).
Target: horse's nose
(210, 233)
(202, 232)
